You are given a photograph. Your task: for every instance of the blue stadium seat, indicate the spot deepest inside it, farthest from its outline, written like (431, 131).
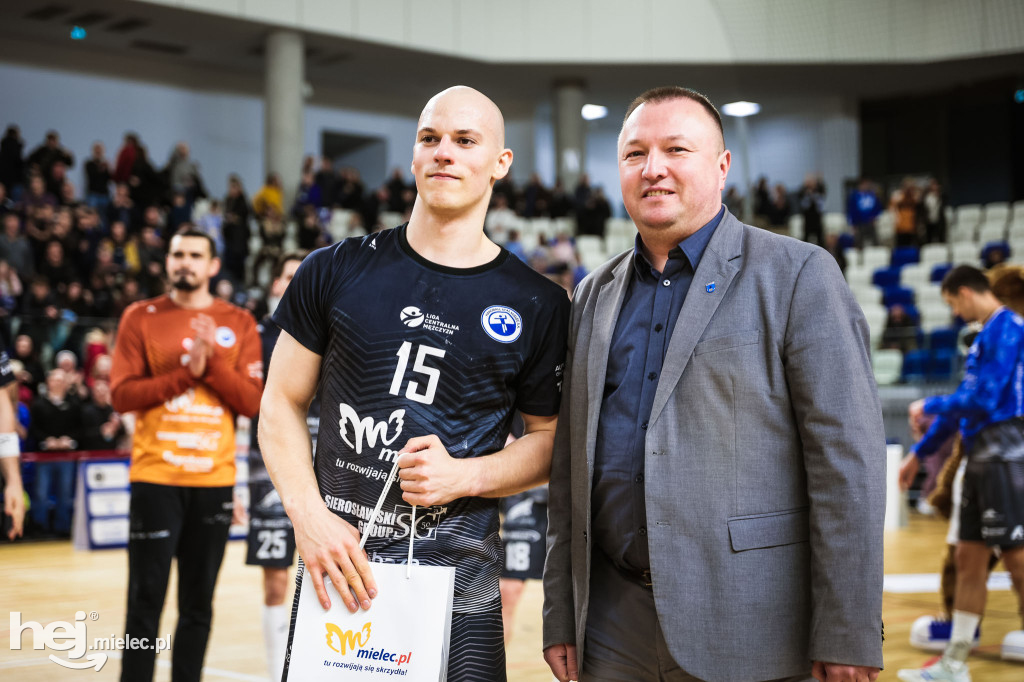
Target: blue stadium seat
(886, 277)
(941, 364)
(995, 246)
(897, 296)
(903, 255)
(943, 338)
(939, 271)
(915, 365)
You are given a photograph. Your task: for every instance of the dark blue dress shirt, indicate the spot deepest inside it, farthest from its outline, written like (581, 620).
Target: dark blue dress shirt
(649, 312)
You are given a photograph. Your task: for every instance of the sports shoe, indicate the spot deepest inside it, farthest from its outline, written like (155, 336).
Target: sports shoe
(1013, 646)
(944, 670)
(932, 633)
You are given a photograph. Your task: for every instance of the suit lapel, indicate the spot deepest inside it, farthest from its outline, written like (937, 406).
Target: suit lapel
(718, 265)
(606, 313)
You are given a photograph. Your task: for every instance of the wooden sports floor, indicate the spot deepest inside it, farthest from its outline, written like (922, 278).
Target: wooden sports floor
(49, 582)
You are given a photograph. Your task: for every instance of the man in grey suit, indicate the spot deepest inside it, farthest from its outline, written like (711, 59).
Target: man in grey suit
(717, 487)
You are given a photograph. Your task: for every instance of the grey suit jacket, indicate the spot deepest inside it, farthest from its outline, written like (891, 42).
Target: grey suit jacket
(765, 465)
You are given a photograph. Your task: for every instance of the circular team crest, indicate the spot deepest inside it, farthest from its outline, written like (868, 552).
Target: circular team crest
(225, 337)
(411, 316)
(502, 323)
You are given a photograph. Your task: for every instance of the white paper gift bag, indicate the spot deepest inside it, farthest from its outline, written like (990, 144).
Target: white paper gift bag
(404, 635)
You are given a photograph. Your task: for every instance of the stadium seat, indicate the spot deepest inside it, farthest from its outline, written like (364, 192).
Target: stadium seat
(990, 232)
(941, 364)
(968, 253)
(995, 246)
(996, 212)
(943, 338)
(905, 254)
(897, 296)
(962, 233)
(1017, 210)
(939, 272)
(875, 315)
(875, 256)
(915, 365)
(796, 226)
(888, 366)
(934, 315)
(932, 254)
(968, 215)
(886, 277)
(914, 275)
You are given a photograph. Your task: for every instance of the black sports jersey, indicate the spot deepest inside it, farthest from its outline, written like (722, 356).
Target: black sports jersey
(411, 348)
(265, 502)
(6, 370)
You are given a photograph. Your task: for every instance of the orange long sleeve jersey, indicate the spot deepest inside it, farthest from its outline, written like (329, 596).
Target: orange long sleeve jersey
(185, 429)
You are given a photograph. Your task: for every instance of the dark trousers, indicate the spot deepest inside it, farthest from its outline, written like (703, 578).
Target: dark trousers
(192, 525)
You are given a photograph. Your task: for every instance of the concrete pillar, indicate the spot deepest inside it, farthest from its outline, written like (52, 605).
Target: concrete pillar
(570, 133)
(283, 103)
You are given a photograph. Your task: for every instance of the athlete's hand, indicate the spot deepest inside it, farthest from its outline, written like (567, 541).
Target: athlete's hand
(428, 474)
(908, 470)
(202, 344)
(561, 658)
(835, 672)
(915, 412)
(14, 506)
(239, 516)
(329, 544)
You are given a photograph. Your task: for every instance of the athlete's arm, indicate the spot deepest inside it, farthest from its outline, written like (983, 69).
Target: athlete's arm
(326, 543)
(10, 463)
(429, 475)
(239, 385)
(132, 387)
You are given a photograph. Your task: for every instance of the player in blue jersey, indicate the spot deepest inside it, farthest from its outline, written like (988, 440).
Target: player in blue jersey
(271, 540)
(423, 340)
(988, 407)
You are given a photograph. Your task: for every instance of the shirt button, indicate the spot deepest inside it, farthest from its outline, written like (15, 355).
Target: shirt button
(644, 426)
(658, 327)
(640, 478)
(666, 282)
(642, 531)
(652, 376)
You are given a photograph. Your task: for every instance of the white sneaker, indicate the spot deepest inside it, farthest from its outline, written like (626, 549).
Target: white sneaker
(931, 633)
(1013, 646)
(944, 670)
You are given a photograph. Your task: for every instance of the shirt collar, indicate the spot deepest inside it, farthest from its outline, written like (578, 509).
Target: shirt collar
(692, 248)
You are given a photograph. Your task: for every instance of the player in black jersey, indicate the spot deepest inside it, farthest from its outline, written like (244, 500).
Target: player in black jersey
(271, 540)
(424, 340)
(10, 462)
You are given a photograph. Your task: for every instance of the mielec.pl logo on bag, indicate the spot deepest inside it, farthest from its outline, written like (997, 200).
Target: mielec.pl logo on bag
(74, 639)
(348, 642)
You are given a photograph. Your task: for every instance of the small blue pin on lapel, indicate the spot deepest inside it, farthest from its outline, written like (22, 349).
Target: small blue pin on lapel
(709, 287)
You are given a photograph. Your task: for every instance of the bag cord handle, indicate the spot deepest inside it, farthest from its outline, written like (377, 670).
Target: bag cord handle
(376, 510)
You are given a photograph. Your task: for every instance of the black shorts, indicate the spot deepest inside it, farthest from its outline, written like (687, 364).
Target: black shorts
(523, 534)
(992, 508)
(271, 542)
(271, 539)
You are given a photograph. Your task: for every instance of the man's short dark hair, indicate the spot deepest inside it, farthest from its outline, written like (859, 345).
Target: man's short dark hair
(188, 230)
(283, 259)
(668, 93)
(965, 276)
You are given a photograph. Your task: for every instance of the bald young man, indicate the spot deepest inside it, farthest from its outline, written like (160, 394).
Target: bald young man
(420, 342)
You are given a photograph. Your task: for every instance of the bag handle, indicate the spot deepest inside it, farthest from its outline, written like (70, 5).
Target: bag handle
(376, 510)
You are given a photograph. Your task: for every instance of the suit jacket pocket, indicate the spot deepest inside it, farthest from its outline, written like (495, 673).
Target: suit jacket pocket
(769, 530)
(730, 341)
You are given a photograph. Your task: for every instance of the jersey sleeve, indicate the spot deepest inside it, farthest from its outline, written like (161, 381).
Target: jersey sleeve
(241, 386)
(980, 391)
(304, 311)
(131, 385)
(538, 390)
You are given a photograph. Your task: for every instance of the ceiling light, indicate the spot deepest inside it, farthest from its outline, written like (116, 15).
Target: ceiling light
(592, 112)
(741, 108)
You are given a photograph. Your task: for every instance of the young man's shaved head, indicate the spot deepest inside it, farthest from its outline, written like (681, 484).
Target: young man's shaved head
(465, 96)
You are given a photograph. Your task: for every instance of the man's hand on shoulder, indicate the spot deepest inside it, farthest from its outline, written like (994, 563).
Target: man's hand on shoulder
(329, 544)
(561, 658)
(837, 672)
(428, 474)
